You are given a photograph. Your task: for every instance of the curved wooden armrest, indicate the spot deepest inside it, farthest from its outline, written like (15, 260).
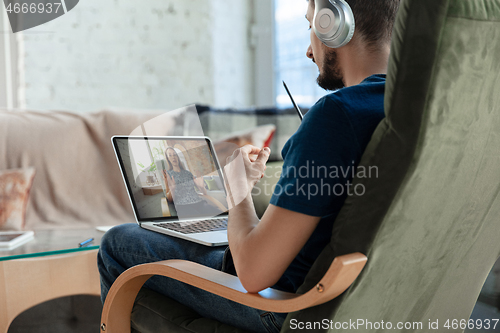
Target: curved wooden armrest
(120, 299)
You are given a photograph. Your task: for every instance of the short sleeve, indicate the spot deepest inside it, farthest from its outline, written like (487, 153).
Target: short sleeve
(319, 161)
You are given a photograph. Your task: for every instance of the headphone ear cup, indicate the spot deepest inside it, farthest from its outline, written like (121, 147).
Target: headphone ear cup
(326, 21)
(333, 22)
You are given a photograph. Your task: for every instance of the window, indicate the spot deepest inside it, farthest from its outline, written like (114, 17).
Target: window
(291, 64)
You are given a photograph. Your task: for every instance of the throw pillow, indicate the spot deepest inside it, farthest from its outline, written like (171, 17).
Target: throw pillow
(211, 185)
(15, 186)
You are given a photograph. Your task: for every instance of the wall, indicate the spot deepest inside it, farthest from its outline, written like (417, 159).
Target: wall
(232, 54)
(155, 54)
(8, 64)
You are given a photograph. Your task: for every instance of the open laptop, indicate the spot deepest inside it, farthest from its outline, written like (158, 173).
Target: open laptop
(198, 209)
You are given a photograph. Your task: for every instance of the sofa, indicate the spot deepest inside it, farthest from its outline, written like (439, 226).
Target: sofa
(78, 184)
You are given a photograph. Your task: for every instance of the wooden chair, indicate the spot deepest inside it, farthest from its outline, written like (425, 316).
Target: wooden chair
(428, 222)
(116, 312)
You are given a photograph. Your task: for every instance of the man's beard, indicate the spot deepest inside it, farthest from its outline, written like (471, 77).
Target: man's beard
(330, 78)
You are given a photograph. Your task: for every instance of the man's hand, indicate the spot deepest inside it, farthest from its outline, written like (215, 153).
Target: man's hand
(243, 170)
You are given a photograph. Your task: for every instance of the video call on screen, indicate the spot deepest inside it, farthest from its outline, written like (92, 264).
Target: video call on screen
(174, 178)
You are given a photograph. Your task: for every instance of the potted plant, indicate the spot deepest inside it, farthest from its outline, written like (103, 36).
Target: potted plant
(151, 178)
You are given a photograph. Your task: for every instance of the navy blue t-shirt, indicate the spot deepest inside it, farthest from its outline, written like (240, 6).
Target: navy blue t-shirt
(320, 160)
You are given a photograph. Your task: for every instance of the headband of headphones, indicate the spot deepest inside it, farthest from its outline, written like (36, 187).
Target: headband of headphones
(333, 22)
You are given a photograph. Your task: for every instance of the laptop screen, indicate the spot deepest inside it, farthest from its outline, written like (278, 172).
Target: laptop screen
(171, 178)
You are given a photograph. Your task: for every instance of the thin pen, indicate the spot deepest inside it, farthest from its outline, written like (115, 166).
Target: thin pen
(86, 242)
(293, 102)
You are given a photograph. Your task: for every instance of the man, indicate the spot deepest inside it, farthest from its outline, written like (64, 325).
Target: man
(319, 158)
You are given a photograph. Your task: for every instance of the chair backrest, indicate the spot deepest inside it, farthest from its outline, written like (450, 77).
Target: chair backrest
(430, 222)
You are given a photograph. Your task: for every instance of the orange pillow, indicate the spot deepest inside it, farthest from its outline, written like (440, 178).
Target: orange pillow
(15, 186)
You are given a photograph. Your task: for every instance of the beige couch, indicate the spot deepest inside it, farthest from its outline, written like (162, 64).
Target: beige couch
(77, 182)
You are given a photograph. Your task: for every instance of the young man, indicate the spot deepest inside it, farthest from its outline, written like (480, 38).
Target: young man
(279, 250)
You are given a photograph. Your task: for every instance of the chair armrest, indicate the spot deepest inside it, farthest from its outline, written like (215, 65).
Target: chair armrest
(120, 299)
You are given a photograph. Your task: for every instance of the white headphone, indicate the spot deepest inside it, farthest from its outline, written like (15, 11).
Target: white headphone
(333, 22)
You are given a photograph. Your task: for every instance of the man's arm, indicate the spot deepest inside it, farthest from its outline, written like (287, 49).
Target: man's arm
(263, 250)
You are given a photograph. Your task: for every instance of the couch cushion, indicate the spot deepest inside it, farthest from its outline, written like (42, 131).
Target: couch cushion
(15, 187)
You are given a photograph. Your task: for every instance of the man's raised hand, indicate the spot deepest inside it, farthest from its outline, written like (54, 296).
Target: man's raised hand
(243, 170)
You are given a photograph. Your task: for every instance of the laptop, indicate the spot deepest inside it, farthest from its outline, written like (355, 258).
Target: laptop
(175, 186)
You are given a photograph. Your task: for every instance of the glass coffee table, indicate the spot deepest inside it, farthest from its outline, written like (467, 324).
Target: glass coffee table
(52, 265)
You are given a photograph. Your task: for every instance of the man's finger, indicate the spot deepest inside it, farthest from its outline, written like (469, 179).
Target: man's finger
(263, 155)
(250, 150)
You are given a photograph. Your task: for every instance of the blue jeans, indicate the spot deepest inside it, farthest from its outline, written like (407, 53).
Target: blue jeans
(128, 245)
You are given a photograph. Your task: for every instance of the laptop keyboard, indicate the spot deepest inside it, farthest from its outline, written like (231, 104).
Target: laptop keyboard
(195, 227)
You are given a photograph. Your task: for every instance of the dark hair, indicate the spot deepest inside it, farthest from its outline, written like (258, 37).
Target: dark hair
(374, 19)
(170, 166)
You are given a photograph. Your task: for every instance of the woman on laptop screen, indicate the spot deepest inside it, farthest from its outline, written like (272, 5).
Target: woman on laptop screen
(182, 189)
